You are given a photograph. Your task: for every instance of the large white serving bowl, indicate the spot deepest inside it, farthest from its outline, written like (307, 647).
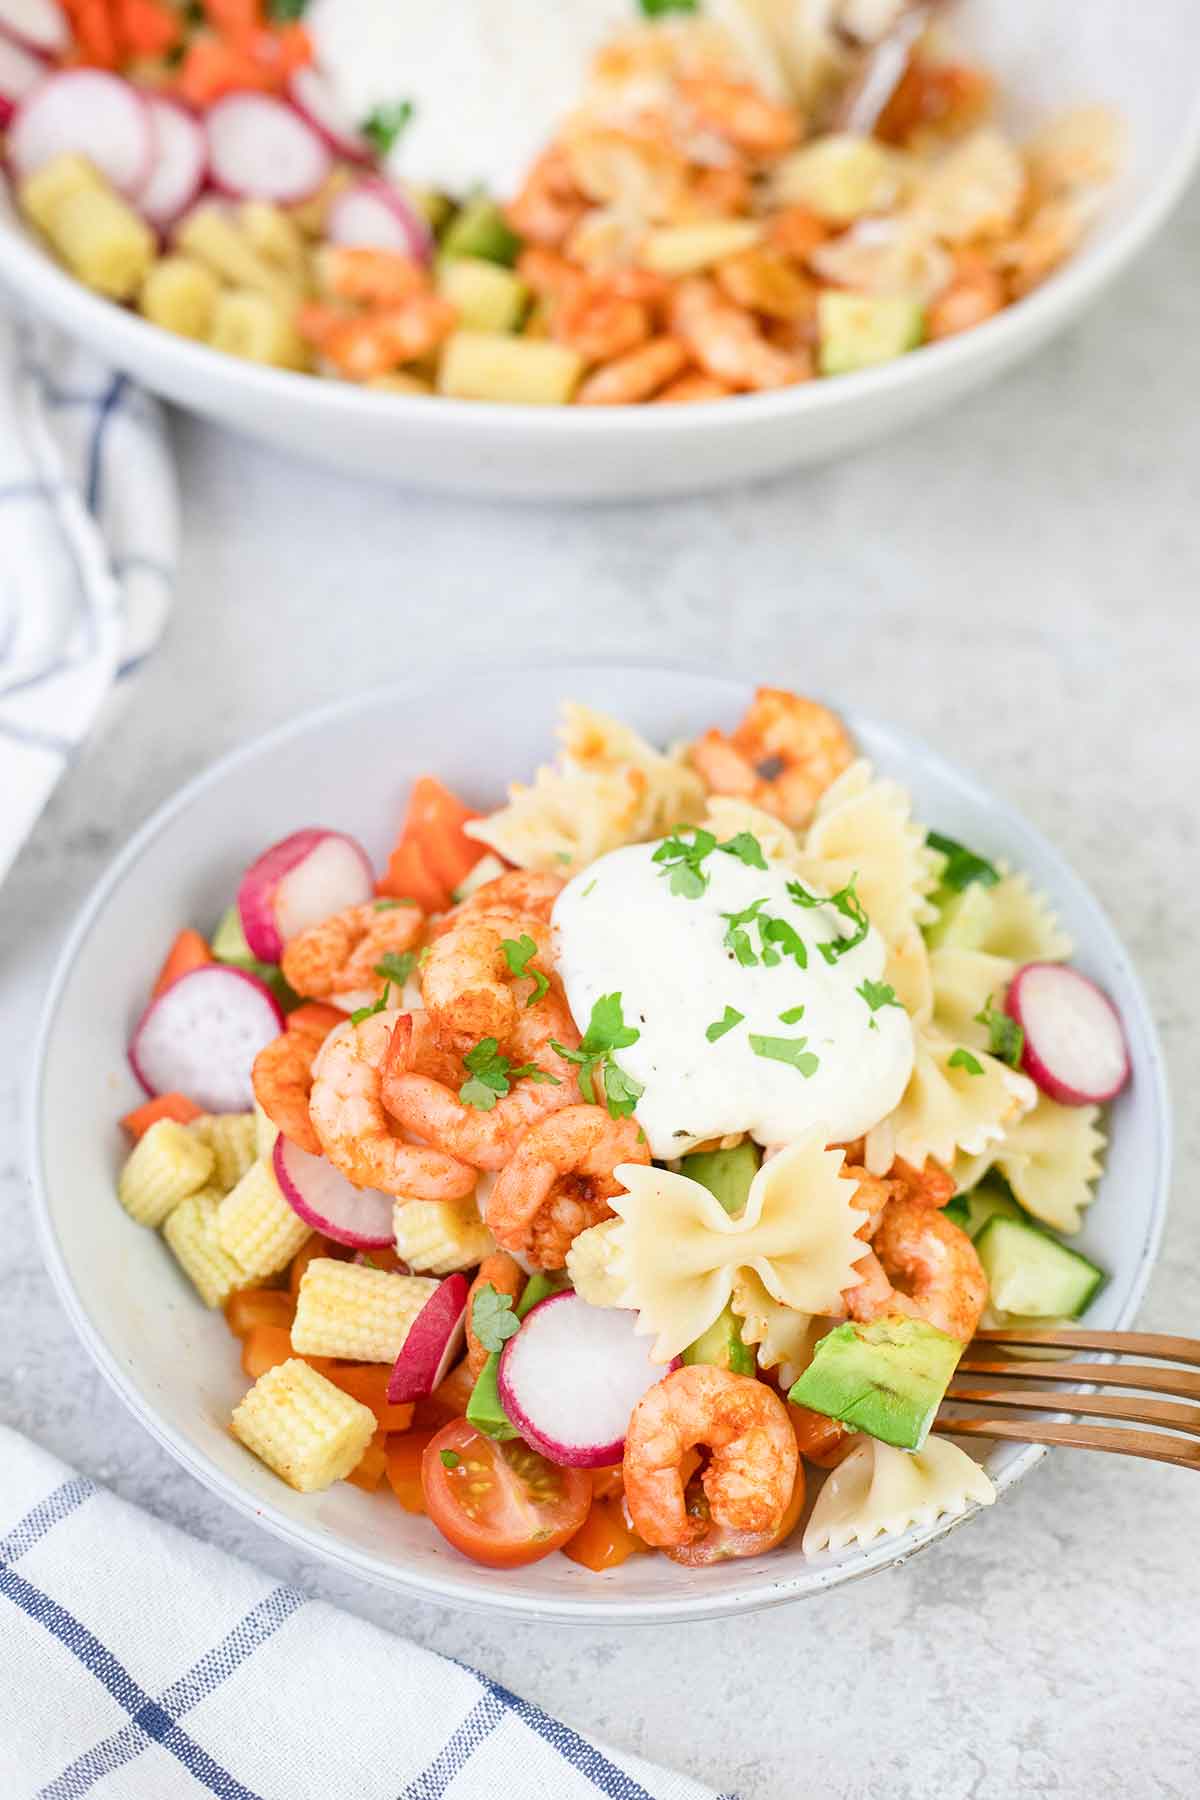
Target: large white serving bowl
(1140, 59)
(176, 1366)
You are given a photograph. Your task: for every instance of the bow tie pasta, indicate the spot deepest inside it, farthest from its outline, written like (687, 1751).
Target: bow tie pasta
(1009, 918)
(863, 830)
(1050, 1158)
(878, 1491)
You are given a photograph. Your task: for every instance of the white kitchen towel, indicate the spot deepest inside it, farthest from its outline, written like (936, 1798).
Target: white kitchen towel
(139, 1664)
(89, 531)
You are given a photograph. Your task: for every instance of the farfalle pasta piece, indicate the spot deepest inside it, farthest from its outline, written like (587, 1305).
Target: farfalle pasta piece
(607, 787)
(1010, 919)
(727, 816)
(591, 1265)
(780, 1337)
(677, 1251)
(1050, 1159)
(879, 1491)
(863, 830)
(964, 981)
(953, 1103)
(975, 190)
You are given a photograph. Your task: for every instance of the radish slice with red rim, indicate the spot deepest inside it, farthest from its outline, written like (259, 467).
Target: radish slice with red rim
(571, 1377)
(321, 1196)
(297, 883)
(20, 73)
(39, 25)
(200, 1037)
(180, 162)
(434, 1341)
(1075, 1047)
(372, 214)
(313, 97)
(260, 148)
(89, 113)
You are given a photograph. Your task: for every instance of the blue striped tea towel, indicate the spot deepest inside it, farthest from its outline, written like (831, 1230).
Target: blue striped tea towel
(139, 1664)
(89, 528)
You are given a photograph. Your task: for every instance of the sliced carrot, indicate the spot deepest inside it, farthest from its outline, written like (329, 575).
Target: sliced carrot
(212, 68)
(371, 1470)
(368, 1382)
(234, 18)
(147, 27)
(252, 1307)
(163, 1106)
(604, 1540)
(295, 47)
(264, 1348)
(94, 32)
(434, 822)
(188, 952)
(404, 1453)
(409, 877)
(315, 1016)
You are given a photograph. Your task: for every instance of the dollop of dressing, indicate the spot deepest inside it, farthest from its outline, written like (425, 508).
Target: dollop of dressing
(620, 929)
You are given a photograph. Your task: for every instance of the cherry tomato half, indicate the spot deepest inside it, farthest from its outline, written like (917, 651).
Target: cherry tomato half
(500, 1504)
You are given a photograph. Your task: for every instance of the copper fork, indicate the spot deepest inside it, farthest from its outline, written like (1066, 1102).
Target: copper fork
(1129, 1409)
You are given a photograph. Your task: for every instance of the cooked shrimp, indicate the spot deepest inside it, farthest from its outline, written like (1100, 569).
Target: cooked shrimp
(282, 1075)
(380, 341)
(517, 891)
(635, 376)
(422, 1077)
(922, 1266)
(549, 204)
(727, 342)
(505, 1274)
(690, 389)
(782, 757)
(369, 277)
(976, 291)
(751, 1472)
(763, 281)
(599, 321)
(354, 1130)
(795, 231)
(339, 955)
(560, 1181)
(741, 114)
(718, 193)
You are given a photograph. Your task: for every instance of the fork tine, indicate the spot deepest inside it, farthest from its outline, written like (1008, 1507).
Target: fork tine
(1124, 1343)
(1155, 1446)
(1128, 1375)
(1107, 1406)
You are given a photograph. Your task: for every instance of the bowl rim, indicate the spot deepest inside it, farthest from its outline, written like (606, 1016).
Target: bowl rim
(124, 336)
(464, 1590)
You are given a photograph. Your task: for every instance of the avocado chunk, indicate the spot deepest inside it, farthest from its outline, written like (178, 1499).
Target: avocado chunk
(887, 1378)
(484, 1410)
(856, 331)
(486, 296)
(229, 946)
(479, 229)
(973, 1210)
(726, 1174)
(722, 1346)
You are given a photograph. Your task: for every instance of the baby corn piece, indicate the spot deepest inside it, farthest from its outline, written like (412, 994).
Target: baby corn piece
(265, 1133)
(303, 1427)
(276, 238)
(685, 249)
(191, 1232)
(180, 294)
(436, 1237)
(257, 1227)
(100, 238)
(208, 235)
(258, 327)
(163, 1168)
(42, 193)
(352, 1311)
(232, 1138)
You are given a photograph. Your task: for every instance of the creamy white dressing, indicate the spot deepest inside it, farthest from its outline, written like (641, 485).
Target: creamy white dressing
(620, 929)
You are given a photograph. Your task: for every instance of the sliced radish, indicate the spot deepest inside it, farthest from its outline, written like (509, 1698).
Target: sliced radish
(1075, 1046)
(324, 1199)
(40, 25)
(20, 73)
(371, 214)
(180, 162)
(89, 113)
(261, 149)
(312, 95)
(433, 1343)
(201, 1035)
(571, 1377)
(297, 883)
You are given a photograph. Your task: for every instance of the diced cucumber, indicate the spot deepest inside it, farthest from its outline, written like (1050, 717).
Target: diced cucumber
(484, 1410)
(722, 1346)
(486, 296)
(726, 1174)
(857, 331)
(964, 918)
(480, 229)
(229, 946)
(988, 1201)
(1031, 1273)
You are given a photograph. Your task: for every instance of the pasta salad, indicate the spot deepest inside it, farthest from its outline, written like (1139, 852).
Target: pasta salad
(615, 1160)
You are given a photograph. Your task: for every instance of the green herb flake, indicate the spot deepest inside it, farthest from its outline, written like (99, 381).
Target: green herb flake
(285, 11)
(492, 1075)
(963, 1059)
(657, 9)
(682, 861)
(368, 1012)
(792, 1051)
(729, 1018)
(792, 1016)
(397, 966)
(518, 953)
(492, 1318)
(450, 1459)
(963, 866)
(746, 847)
(877, 995)
(382, 127)
(588, 889)
(847, 905)
(1006, 1039)
(391, 905)
(606, 1032)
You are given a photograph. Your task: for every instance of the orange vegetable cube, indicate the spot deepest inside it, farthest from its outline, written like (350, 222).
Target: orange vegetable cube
(371, 1469)
(251, 1307)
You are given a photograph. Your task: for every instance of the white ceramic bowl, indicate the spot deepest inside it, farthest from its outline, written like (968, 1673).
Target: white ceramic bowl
(1140, 59)
(175, 1365)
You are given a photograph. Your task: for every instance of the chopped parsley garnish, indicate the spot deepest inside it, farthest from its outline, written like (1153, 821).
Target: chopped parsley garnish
(518, 952)
(450, 1458)
(492, 1318)
(683, 862)
(877, 995)
(382, 127)
(792, 1016)
(729, 1018)
(426, 953)
(771, 932)
(368, 1012)
(587, 890)
(1006, 1039)
(736, 938)
(746, 847)
(283, 10)
(786, 1050)
(391, 905)
(491, 1075)
(606, 1032)
(963, 1059)
(847, 904)
(397, 965)
(962, 865)
(656, 9)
